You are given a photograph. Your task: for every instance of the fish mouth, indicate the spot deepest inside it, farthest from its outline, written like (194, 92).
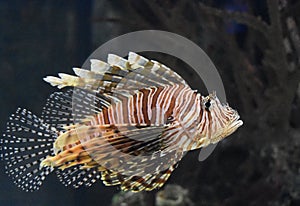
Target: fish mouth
(234, 125)
(231, 127)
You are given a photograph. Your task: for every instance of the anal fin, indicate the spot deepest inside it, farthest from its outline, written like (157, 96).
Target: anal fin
(135, 183)
(77, 177)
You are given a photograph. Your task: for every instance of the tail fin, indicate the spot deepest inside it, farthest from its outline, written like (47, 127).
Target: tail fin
(24, 144)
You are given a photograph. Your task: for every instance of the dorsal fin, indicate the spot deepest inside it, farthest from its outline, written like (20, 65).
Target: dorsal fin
(113, 59)
(99, 66)
(122, 76)
(156, 68)
(134, 58)
(87, 74)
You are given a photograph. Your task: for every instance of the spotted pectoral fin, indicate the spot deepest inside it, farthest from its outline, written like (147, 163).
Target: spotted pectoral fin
(136, 150)
(87, 143)
(122, 142)
(108, 145)
(131, 150)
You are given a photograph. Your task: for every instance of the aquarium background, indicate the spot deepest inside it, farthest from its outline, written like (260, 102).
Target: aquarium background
(255, 46)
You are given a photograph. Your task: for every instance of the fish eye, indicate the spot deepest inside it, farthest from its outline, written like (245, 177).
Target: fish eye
(207, 104)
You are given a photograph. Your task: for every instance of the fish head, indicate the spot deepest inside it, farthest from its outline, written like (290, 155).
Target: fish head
(221, 119)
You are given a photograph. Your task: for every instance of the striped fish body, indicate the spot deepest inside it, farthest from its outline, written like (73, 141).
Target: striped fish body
(154, 106)
(134, 120)
(174, 107)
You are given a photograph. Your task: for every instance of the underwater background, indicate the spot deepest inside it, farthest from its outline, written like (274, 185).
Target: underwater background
(255, 46)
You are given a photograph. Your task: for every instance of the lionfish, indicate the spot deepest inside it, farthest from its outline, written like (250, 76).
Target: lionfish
(127, 122)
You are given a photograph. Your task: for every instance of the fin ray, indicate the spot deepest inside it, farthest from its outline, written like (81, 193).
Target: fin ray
(26, 142)
(127, 75)
(78, 177)
(136, 183)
